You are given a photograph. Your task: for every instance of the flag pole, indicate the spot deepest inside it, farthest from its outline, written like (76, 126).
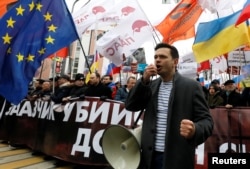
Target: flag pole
(79, 40)
(150, 25)
(53, 73)
(41, 71)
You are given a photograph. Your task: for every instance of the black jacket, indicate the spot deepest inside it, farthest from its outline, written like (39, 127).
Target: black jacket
(186, 101)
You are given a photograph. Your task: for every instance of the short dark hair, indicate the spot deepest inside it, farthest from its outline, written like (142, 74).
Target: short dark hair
(173, 50)
(213, 85)
(215, 81)
(110, 77)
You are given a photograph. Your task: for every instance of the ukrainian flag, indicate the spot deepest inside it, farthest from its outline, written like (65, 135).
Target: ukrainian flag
(219, 36)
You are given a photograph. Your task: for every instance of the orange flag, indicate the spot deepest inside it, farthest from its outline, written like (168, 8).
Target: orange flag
(179, 23)
(3, 6)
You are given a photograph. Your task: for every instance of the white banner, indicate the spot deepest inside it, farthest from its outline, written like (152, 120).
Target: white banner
(238, 58)
(130, 33)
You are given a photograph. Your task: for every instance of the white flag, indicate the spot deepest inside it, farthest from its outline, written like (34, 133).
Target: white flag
(90, 13)
(219, 63)
(131, 32)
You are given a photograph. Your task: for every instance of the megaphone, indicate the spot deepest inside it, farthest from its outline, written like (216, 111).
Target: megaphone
(121, 146)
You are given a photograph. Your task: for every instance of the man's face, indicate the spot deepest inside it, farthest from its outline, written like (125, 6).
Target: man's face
(61, 81)
(93, 80)
(131, 83)
(79, 82)
(164, 62)
(46, 86)
(106, 80)
(230, 87)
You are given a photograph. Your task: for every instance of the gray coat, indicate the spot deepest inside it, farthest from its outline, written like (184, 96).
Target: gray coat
(187, 101)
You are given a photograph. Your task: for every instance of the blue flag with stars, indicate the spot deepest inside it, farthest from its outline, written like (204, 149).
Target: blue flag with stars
(31, 31)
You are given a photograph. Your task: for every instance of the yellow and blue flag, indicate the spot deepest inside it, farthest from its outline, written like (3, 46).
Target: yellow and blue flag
(31, 31)
(219, 36)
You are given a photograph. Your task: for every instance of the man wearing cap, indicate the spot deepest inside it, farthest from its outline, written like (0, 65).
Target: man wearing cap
(63, 89)
(230, 96)
(78, 88)
(216, 82)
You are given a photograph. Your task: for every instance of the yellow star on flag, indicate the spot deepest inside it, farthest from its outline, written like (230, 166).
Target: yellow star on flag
(6, 39)
(20, 57)
(39, 6)
(10, 22)
(32, 6)
(52, 28)
(30, 57)
(50, 39)
(9, 50)
(41, 51)
(47, 17)
(20, 10)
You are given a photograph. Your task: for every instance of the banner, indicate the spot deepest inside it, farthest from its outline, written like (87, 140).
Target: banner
(74, 135)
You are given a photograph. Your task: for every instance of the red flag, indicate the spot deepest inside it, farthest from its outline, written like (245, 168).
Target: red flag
(245, 14)
(179, 23)
(113, 69)
(62, 53)
(203, 66)
(3, 6)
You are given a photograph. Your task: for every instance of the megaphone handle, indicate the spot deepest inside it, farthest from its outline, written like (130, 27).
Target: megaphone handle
(136, 121)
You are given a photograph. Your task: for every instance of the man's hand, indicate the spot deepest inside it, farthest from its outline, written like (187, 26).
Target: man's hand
(149, 71)
(229, 106)
(187, 128)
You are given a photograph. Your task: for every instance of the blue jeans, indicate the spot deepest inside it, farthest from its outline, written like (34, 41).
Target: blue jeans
(157, 161)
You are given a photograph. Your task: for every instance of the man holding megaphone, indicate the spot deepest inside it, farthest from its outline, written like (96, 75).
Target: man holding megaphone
(176, 117)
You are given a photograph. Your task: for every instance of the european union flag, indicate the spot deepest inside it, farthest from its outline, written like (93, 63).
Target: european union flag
(30, 32)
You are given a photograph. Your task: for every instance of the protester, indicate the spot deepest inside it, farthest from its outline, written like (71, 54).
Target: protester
(96, 88)
(108, 81)
(213, 98)
(62, 90)
(230, 96)
(122, 93)
(216, 82)
(176, 118)
(78, 88)
(46, 91)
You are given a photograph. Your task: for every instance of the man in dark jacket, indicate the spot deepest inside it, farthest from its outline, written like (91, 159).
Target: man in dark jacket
(96, 88)
(176, 118)
(62, 90)
(78, 88)
(230, 96)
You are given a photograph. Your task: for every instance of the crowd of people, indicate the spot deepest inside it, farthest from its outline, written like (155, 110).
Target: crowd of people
(176, 108)
(62, 89)
(226, 94)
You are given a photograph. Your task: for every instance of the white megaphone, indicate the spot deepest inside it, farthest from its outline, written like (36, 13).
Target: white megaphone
(121, 146)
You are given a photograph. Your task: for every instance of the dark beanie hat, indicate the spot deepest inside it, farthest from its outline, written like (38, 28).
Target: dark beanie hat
(79, 76)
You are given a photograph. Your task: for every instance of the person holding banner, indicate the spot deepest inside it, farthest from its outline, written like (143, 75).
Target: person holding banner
(176, 114)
